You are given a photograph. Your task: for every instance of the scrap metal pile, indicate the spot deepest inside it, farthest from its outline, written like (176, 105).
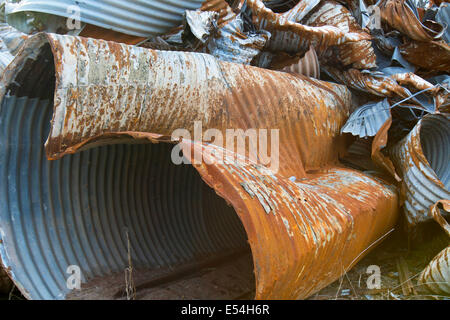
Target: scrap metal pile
(91, 92)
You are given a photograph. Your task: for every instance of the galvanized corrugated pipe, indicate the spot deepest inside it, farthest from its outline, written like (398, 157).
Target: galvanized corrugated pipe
(76, 211)
(141, 18)
(422, 159)
(73, 210)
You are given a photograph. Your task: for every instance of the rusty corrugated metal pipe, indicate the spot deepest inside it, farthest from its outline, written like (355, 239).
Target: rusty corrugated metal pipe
(105, 176)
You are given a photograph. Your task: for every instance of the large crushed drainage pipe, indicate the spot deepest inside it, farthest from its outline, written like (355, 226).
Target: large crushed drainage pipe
(73, 210)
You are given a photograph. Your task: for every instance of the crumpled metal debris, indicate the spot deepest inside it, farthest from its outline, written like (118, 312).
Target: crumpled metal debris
(283, 28)
(225, 11)
(10, 41)
(375, 83)
(367, 120)
(201, 23)
(403, 16)
(233, 43)
(358, 54)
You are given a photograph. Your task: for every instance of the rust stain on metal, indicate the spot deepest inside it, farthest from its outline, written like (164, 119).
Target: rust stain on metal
(226, 13)
(400, 16)
(303, 235)
(432, 55)
(379, 142)
(359, 54)
(290, 35)
(409, 78)
(378, 85)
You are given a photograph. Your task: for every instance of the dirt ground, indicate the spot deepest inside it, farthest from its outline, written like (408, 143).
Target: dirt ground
(400, 264)
(400, 267)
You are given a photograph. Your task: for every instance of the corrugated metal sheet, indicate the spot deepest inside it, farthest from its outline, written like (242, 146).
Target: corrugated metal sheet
(300, 10)
(422, 159)
(436, 276)
(5, 59)
(11, 39)
(308, 65)
(407, 78)
(367, 120)
(303, 235)
(140, 18)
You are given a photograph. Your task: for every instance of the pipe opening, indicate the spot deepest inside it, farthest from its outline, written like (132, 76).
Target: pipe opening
(186, 242)
(435, 142)
(280, 6)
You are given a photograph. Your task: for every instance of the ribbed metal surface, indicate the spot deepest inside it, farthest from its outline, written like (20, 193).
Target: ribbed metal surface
(443, 17)
(422, 158)
(143, 18)
(400, 15)
(164, 91)
(307, 66)
(368, 119)
(10, 42)
(11, 38)
(74, 211)
(303, 235)
(436, 276)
